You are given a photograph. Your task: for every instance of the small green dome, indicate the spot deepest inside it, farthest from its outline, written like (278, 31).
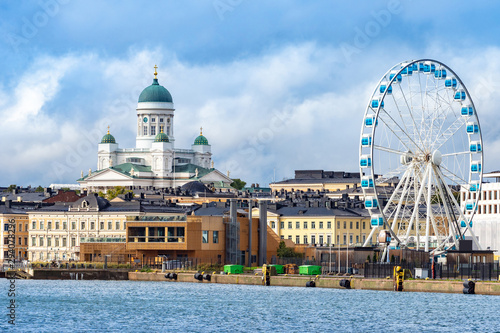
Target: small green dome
(108, 138)
(161, 137)
(201, 141)
(155, 93)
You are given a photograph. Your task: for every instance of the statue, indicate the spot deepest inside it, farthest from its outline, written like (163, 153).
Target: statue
(110, 162)
(90, 172)
(212, 164)
(196, 172)
(81, 174)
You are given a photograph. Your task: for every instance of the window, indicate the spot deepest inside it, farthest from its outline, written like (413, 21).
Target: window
(102, 225)
(357, 224)
(338, 224)
(49, 241)
(313, 225)
(161, 120)
(282, 225)
(83, 226)
(117, 225)
(305, 227)
(65, 225)
(124, 225)
(33, 225)
(57, 225)
(273, 224)
(321, 239)
(21, 227)
(26, 241)
(92, 225)
(145, 130)
(321, 225)
(41, 240)
(364, 225)
(168, 130)
(153, 120)
(41, 225)
(357, 239)
(350, 239)
(290, 237)
(20, 241)
(49, 225)
(313, 239)
(56, 242)
(289, 225)
(344, 224)
(329, 224)
(338, 239)
(33, 241)
(282, 237)
(328, 239)
(153, 130)
(204, 236)
(364, 238)
(297, 225)
(73, 225)
(110, 225)
(305, 240)
(297, 239)
(215, 237)
(73, 241)
(345, 239)
(64, 241)
(350, 225)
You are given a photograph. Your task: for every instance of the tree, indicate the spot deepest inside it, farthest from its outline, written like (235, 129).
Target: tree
(10, 188)
(238, 184)
(114, 192)
(39, 189)
(287, 252)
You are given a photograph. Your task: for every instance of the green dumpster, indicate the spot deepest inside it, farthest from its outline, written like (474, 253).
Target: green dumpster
(233, 269)
(279, 269)
(309, 270)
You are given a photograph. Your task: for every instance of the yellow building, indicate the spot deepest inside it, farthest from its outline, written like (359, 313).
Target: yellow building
(321, 226)
(55, 232)
(19, 220)
(319, 180)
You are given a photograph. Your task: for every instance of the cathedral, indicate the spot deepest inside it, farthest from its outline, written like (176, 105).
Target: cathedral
(154, 162)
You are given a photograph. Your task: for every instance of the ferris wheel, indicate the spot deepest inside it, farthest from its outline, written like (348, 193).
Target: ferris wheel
(421, 157)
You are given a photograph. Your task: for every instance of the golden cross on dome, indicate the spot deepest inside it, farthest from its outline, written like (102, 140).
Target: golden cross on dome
(108, 129)
(201, 130)
(156, 67)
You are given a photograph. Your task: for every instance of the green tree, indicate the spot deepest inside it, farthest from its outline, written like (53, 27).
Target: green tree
(238, 184)
(39, 189)
(10, 188)
(287, 252)
(114, 192)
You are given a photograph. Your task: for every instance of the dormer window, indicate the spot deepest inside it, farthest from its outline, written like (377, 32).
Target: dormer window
(85, 204)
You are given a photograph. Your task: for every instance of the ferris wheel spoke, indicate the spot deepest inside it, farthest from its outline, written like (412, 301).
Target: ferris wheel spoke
(449, 132)
(389, 150)
(453, 177)
(394, 123)
(456, 154)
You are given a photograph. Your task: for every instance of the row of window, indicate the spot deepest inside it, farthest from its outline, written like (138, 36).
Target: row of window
(484, 195)
(83, 225)
(320, 225)
(487, 209)
(153, 130)
(57, 241)
(215, 236)
(321, 239)
(19, 228)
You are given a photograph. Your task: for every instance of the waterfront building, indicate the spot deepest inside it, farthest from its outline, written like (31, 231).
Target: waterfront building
(20, 218)
(319, 224)
(155, 161)
(486, 221)
(56, 231)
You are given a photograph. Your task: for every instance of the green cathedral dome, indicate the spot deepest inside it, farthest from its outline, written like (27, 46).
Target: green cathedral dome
(155, 93)
(161, 137)
(201, 141)
(108, 138)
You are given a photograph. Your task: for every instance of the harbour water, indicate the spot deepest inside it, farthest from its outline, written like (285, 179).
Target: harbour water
(129, 306)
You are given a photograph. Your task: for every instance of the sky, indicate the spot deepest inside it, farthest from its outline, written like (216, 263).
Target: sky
(277, 85)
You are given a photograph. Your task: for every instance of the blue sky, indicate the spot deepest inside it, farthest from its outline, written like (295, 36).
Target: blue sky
(277, 86)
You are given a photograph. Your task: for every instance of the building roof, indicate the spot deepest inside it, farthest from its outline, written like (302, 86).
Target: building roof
(25, 196)
(195, 187)
(322, 211)
(161, 137)
(155, 93)
(108, 138)
(9, 210)
(64, 196)
(201, 141)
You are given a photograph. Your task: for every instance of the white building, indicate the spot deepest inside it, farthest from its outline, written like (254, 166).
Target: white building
(154, 161)
(486, 221)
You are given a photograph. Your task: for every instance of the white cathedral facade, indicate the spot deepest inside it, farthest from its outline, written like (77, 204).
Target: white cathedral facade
(154, 162)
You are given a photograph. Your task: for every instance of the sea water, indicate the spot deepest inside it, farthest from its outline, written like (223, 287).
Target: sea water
(130, 306)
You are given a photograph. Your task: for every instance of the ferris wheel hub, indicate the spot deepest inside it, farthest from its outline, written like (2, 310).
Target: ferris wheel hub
(437, 158)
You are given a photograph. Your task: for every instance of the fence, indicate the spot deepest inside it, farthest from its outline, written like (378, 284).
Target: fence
(478, 271)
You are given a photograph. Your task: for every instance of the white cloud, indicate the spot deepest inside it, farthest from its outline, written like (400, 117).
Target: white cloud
(286, 109)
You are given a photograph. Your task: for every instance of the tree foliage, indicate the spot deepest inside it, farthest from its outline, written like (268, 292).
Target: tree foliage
(114, 192)
(287, 252)
(238, 184)
(39, 189)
